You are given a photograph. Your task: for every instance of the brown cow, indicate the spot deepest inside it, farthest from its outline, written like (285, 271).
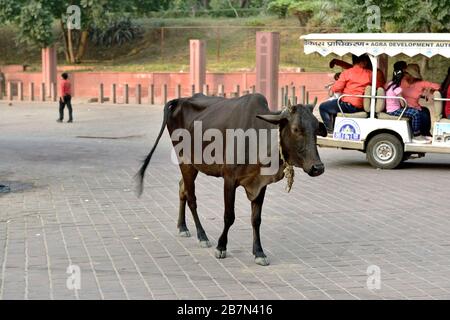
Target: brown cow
(297, 129)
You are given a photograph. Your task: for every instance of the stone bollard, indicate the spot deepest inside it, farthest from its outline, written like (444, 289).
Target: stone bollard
(151, 94)
(9, 94)
(53, 92)
(42, 93)
(31, 91)
(237, 90)
(101, 93)
(281, 98)
(178, 91)
(220, 90)
(20, 90)
(303, 94)
(126, 94)
(164, 93)
(206, 89)
(293, 97)
(113, 93)
(138, 94)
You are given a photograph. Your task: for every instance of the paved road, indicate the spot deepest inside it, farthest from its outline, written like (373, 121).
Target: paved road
(73, 204)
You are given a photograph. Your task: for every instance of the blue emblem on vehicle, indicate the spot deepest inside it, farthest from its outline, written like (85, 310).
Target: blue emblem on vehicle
(347, 130)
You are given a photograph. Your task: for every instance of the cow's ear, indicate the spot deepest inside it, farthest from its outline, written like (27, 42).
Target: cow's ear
(322, 130)
(311, 106)
(274, 118)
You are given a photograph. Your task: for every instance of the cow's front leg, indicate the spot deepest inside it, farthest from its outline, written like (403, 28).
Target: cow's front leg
(260, 257)
(229, 197)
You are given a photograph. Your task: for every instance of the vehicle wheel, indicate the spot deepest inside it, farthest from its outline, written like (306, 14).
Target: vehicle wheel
(385, 151)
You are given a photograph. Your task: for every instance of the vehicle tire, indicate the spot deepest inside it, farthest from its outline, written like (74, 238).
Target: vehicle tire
(385, 151)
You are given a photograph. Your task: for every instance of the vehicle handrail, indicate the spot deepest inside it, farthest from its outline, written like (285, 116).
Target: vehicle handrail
(370, 96)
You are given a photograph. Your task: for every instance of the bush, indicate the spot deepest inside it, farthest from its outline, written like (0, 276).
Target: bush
(117, 33)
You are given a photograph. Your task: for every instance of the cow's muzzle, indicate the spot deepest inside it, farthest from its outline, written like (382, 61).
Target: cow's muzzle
(316, 169)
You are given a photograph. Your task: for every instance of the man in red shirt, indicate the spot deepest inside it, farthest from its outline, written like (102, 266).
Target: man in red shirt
(65, 98)
(351, 81)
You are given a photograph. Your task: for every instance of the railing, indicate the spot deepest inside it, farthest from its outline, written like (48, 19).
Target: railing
(15, 91)
(370, 96)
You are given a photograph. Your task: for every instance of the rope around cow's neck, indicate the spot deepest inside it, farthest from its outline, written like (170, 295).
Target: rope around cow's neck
(288, 168)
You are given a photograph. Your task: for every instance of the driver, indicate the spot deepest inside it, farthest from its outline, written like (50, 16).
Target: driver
(351, 81)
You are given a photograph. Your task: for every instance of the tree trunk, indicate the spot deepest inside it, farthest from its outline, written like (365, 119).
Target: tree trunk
(70, 46)
(66, 51)
(82, 45)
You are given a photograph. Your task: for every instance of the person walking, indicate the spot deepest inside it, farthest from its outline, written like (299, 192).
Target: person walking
(65, 98)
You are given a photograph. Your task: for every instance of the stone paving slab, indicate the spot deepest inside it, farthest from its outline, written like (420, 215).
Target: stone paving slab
(78, 207)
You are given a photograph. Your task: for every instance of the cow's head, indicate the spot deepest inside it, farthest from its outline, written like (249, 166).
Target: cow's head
(298, 132)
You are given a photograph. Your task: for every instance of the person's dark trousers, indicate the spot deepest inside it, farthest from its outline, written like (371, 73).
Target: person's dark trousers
(329, 109)
(66, 101)
(425, 127)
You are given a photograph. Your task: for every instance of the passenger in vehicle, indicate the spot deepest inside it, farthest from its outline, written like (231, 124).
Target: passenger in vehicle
(400, 65)
(394, 106)
(351, 81)
(413, 87)
(445, 93)
(381, 80)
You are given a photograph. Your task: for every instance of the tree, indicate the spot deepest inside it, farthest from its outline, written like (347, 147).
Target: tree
(303, 10)
(398, 16)
(34, 20)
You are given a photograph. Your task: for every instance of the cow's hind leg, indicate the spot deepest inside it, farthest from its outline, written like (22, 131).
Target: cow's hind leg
(229, 215)
(260, 257)
(189, 174)
(182, 228)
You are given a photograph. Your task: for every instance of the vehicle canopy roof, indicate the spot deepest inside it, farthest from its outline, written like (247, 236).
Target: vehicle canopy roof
(375, 44)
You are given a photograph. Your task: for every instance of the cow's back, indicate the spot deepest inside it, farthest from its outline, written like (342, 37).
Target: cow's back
(219, 113)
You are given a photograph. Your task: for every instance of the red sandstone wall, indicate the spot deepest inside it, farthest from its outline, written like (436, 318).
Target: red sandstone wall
(86, 84)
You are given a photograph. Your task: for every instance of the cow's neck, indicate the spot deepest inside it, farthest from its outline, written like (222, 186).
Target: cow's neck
(288, 169)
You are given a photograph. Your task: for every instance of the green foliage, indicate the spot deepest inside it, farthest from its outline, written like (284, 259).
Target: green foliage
(303, 10)
(398, 15)
(118, 32)
(255, 22)
(33, 18)
(280, 7)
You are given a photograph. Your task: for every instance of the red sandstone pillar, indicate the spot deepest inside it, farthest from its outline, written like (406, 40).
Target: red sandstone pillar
(197, 67)
(267, 59)
(49, 67)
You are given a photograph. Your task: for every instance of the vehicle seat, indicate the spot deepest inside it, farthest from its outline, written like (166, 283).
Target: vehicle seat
(380, 107)
(362, 114)
(435, 107)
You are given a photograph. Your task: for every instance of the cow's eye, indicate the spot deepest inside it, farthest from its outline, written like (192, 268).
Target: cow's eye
(296, 130)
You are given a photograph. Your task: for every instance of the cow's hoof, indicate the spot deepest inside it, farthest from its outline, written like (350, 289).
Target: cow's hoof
(184, 234)
(221, 254)
(205, 244)
(262, 261)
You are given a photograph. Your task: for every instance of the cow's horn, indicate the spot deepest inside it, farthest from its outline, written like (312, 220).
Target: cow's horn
(289, 106)
(315, 101)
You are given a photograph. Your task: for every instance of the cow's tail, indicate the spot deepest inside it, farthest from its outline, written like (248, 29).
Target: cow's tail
(141, 173)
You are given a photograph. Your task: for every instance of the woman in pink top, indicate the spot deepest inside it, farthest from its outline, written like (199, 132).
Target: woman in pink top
(394, 106)
(412, 89)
